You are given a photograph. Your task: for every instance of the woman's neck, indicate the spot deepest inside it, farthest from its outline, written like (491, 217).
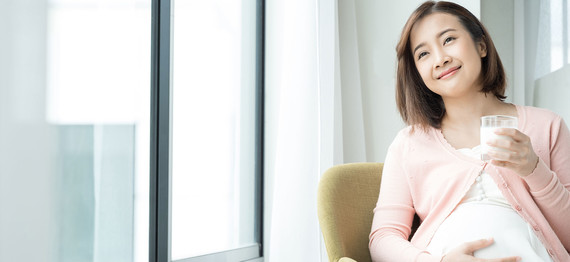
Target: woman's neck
(468, 111)
(460, 125)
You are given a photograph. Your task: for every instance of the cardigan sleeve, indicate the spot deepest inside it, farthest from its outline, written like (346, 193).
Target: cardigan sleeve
(394, 213)
(550, 186)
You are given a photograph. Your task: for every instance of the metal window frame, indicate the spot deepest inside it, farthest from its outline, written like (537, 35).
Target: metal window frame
(160, 137)
(159, 206)
(260, 120)
(239, 254)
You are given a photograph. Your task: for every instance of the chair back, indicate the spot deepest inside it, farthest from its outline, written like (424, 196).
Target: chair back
(346, 197)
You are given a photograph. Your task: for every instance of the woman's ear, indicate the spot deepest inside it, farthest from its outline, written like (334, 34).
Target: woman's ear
(482, 48)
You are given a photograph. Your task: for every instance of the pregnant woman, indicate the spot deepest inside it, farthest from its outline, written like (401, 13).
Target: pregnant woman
(514, 207)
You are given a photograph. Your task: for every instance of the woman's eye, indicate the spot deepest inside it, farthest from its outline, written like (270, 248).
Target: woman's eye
(449, 39)
(422, 54)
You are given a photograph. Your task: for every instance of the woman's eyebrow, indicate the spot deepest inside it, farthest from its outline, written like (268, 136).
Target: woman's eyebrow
(445, 31)
(438, 36)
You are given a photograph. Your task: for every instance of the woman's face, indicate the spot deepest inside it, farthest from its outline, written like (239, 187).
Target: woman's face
(446, 56)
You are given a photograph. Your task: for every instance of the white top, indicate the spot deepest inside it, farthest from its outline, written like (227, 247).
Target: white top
(483, 213)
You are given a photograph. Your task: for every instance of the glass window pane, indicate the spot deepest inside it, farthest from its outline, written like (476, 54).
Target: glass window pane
(74, 130)
(213, 126)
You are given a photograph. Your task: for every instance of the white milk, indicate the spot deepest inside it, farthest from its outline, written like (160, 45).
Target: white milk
(488, 126)
(488, 133)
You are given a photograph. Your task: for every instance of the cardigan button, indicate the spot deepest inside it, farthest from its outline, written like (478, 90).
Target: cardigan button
(518, 208)
(505, 185)
(535, 228)
(550, 252)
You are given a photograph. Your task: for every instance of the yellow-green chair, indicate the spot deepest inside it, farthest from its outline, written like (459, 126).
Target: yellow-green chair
(346, 197)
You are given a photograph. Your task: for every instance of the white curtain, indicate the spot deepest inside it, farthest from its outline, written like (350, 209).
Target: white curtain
(304, 116)
(291, 131)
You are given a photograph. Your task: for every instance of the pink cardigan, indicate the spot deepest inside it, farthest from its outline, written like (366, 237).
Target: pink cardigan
(423, 174)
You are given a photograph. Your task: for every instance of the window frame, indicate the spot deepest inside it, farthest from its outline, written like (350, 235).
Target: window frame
(160, 138)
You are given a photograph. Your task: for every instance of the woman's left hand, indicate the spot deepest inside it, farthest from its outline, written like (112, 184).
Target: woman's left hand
(517, 154)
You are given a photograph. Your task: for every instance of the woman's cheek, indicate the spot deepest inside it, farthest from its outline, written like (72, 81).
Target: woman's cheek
(425, 73)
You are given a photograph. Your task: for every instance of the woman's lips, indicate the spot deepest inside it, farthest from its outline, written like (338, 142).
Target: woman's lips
(448, 72)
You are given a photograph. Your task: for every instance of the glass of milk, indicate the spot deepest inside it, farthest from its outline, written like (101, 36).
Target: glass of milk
(488, 126)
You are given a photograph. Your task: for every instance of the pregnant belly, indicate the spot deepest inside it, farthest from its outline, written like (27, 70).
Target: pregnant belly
(473, 221)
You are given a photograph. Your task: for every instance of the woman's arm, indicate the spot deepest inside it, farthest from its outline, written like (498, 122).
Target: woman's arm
(550, 187)
(394, 214)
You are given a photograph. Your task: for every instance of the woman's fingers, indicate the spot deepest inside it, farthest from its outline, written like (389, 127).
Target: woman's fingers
(511, 156)
(505, 259)
(505, 144)
(515, 153)
(465, 252)
(470, 247)
(515, 134)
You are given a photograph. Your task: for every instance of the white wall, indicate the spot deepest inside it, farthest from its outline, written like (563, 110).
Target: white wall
(498, 18)
(531, 17)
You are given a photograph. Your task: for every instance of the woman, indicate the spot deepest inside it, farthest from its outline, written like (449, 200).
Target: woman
(512, 208)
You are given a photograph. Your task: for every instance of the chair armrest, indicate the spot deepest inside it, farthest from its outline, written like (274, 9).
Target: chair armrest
(346, 259)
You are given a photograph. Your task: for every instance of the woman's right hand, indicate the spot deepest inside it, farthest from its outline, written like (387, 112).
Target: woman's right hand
(465, 252)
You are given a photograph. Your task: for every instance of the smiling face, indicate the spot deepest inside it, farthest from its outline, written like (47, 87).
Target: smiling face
(446, 57)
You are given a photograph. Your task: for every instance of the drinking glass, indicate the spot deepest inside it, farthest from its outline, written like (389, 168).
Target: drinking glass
(488, 126)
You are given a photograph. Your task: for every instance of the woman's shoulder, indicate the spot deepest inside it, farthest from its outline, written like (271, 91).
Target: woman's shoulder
(415, 131)
(539, 121)
(537, 114)
(410, 143)
(414, 134)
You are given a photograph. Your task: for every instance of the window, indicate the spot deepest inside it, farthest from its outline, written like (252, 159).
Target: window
(213, 127)
(207, 141)
(99, 108)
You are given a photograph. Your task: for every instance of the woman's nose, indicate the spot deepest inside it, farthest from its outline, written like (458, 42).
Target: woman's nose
(441, 59)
